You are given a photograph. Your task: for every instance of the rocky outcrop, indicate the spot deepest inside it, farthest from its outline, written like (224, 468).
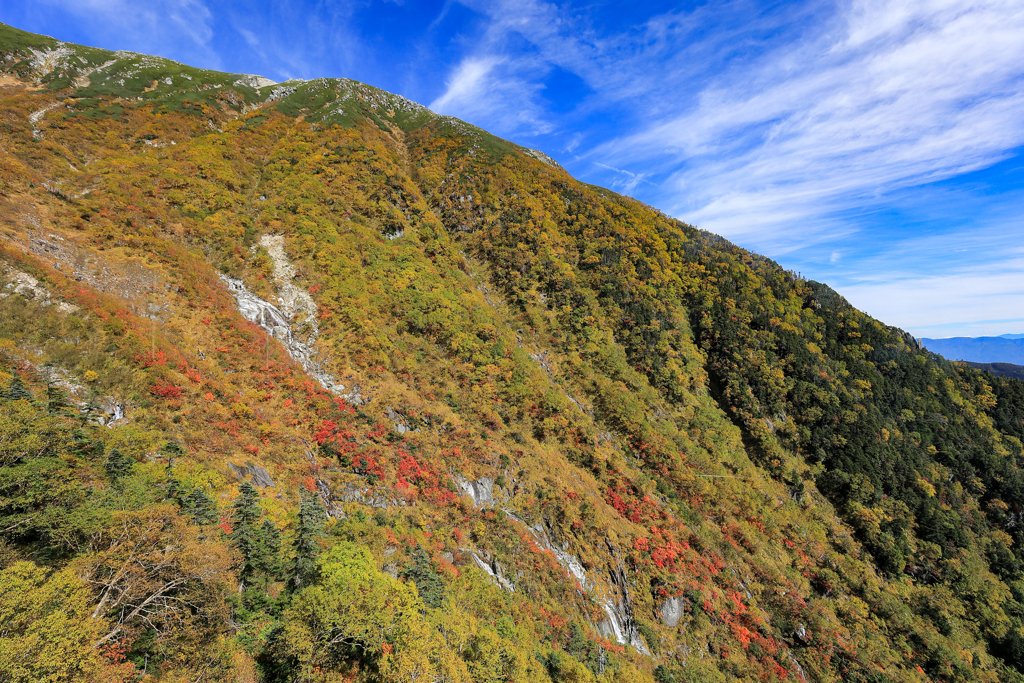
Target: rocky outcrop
(354, 493)
(491, 567)
(480, 490)
(399, 421)
(256, 474)
(619, 612)
(672, 610)
(278, 325)
(29, 287)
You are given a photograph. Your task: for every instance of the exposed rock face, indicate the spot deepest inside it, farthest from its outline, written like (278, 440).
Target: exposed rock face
(492, 568)
(293, 321)
(259, 476)
(296, 303)
(619, 610)
(480, 490)
(672, 610)
(354, 493)
(30, 288)
(114, 411)
(254, 81)
(278, 325)
(398, 420)
(541, 156)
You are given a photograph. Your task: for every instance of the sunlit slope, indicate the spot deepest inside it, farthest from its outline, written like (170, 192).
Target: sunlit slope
(577, 439)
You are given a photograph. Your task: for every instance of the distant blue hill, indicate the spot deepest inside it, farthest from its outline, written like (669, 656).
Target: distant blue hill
(1008, 348)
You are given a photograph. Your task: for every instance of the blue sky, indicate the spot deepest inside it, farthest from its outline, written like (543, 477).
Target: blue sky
(875, 145)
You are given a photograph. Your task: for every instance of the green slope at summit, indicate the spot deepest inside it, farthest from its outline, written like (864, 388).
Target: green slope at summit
(303, 382)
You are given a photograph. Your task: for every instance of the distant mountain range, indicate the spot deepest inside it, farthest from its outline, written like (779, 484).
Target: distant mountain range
(1008, 348)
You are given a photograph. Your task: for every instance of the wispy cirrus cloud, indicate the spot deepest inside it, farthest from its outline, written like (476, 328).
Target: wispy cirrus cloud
(468, 84)
(887, 95)
(151, 26)
(494, 89)
(976, 301)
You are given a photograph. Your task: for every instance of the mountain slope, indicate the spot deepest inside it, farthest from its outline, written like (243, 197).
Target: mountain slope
(559, 435)
(1000, 369)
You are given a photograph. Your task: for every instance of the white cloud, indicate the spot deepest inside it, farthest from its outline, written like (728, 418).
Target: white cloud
(468, 85)
(495, 92)
(182, 29)
(157, 18)
(972, 301)
(894, 95)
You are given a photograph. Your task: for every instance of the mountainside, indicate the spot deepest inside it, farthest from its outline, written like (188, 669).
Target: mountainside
(306, 383)
(1005, 349)
(1000, 369)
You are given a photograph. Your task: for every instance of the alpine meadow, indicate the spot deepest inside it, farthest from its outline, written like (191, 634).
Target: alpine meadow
(302, 382)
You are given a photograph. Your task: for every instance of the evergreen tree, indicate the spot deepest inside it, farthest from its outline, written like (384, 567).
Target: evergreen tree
(84, 446)
(200, 507)
(247, 512)
(56, 400)
(428, 583)
(17, 391)
(172, 450)
(312, 518)
(267, 559)
(118, 465)
(89, 412)
(174, 486)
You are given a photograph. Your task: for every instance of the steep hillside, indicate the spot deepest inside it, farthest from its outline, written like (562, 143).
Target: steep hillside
(305, 383)
(1000, 369)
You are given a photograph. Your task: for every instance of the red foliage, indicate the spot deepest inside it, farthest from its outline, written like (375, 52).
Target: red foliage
(429, 482)
(163, 389)
(159, 358)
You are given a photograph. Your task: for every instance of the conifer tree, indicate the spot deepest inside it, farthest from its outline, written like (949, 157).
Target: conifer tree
(85, 446)
(200, 507)
(89, 412)
(17, 391)
(56, 400)
(172, 450)
(267, 559)
(312, 517)
(428, 583)
(247, 513)
(118, 465)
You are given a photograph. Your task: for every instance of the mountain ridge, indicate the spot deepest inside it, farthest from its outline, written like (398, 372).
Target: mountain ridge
(428, 406)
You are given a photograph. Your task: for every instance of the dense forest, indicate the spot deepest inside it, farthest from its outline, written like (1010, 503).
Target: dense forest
(302, 382)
